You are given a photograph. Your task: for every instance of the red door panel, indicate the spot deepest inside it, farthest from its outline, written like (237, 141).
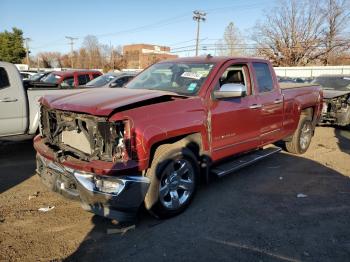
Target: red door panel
(235, 126)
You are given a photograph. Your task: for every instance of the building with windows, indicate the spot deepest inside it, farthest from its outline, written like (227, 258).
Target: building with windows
(139, 56)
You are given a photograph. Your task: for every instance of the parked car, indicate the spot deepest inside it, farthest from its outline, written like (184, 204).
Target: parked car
(286, 79)
(71, 78)
(26, 75)
(38, 76)
(174, 124)
(336, 100)
(19, 106)
(112, 80)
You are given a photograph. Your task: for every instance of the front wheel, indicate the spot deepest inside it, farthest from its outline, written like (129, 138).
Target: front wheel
(173, 175)
(302, 136)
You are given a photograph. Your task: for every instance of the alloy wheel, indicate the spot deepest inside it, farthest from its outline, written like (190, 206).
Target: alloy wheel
(177, 184)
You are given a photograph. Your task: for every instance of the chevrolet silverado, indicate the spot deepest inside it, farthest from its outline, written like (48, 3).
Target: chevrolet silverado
(176, 123)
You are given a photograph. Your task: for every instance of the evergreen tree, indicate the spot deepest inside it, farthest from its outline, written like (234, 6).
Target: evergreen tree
(11, 46)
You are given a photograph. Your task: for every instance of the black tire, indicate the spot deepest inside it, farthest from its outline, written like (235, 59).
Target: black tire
(166, 158)
(301, 138)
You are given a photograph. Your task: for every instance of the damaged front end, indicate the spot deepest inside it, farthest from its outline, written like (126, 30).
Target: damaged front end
(72, 147)
(336, 110)
(84, 136)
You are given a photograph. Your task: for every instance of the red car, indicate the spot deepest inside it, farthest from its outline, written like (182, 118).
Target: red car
(174, 124)
(71, 78)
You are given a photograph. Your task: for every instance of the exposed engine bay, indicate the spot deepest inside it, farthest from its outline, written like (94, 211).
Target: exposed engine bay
(336, 109)
(84, 136)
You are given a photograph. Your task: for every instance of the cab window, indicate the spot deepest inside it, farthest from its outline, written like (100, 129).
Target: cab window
(263, 77)
(235, 74)
(68, 82)
(4, 80)
(83, 79)
(122, 81)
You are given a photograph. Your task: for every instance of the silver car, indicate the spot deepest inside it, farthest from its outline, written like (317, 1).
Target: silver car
(112, 80)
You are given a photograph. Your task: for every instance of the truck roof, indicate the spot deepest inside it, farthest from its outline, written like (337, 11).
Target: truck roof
(213, 59)
(71, 72)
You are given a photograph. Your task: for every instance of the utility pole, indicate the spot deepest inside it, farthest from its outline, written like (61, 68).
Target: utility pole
(198, 16)
(112, 54)
(71, 43)
(27, 39)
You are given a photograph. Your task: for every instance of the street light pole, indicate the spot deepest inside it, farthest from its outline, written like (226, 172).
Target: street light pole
(71, 43)
(198, 16)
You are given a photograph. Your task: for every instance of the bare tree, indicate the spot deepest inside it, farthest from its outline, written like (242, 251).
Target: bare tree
(91, 54)
(93, 50)
(49, 59)
(66, 60)
(232, 42)
(291, 33)
(335, 39)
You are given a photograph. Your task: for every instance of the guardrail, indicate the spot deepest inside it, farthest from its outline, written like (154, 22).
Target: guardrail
(312, 71)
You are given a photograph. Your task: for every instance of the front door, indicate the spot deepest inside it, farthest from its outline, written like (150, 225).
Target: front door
(235, 122)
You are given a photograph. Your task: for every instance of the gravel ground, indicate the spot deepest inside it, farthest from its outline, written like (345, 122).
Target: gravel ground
(250, 215)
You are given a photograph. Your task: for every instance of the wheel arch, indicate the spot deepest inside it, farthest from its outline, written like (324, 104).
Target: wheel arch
(192, 141)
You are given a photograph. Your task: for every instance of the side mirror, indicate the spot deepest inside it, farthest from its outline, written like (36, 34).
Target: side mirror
(231, 91)
(113, 85)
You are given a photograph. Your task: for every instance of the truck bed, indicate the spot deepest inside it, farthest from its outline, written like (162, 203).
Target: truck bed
(295, 85)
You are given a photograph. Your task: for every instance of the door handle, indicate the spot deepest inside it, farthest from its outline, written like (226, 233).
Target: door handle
(7, 99)
(255, 106)
(278, 101)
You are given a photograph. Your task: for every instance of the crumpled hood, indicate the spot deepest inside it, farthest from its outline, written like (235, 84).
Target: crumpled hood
(328, 94)
(102, 101)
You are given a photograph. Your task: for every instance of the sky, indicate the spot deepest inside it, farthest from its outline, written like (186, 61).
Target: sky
(117, 23)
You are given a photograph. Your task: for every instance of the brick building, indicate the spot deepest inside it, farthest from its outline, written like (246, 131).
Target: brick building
(139, 56)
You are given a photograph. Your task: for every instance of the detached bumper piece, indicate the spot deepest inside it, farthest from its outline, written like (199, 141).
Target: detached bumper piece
(109, 196)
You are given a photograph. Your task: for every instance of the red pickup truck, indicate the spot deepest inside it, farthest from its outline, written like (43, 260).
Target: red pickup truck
(176, 123)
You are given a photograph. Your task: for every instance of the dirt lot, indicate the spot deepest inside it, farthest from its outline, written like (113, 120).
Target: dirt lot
(251, 215)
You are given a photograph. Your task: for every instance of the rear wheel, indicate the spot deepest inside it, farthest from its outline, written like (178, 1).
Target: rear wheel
(173, 175)
(302, 136)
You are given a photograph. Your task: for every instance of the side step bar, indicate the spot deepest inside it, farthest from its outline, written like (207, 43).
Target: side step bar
(243, 161)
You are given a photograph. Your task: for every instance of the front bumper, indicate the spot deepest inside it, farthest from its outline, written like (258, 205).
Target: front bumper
(120, 199)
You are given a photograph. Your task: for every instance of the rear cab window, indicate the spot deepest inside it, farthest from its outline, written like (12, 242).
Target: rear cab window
(263, 77)
(4, 79)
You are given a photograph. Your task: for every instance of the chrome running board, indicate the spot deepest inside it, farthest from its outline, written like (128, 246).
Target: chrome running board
(243, 161)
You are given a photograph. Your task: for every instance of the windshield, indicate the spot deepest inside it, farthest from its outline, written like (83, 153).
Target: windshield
(101, 80)
(181, 78)
(51, 78)
(339, 83)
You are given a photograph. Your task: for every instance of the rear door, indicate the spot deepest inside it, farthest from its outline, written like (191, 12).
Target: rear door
(271, 100)
(13, 116)
(235, 122)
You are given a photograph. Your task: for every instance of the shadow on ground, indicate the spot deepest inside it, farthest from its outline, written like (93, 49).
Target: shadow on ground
(17, 163)
(250, 215)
